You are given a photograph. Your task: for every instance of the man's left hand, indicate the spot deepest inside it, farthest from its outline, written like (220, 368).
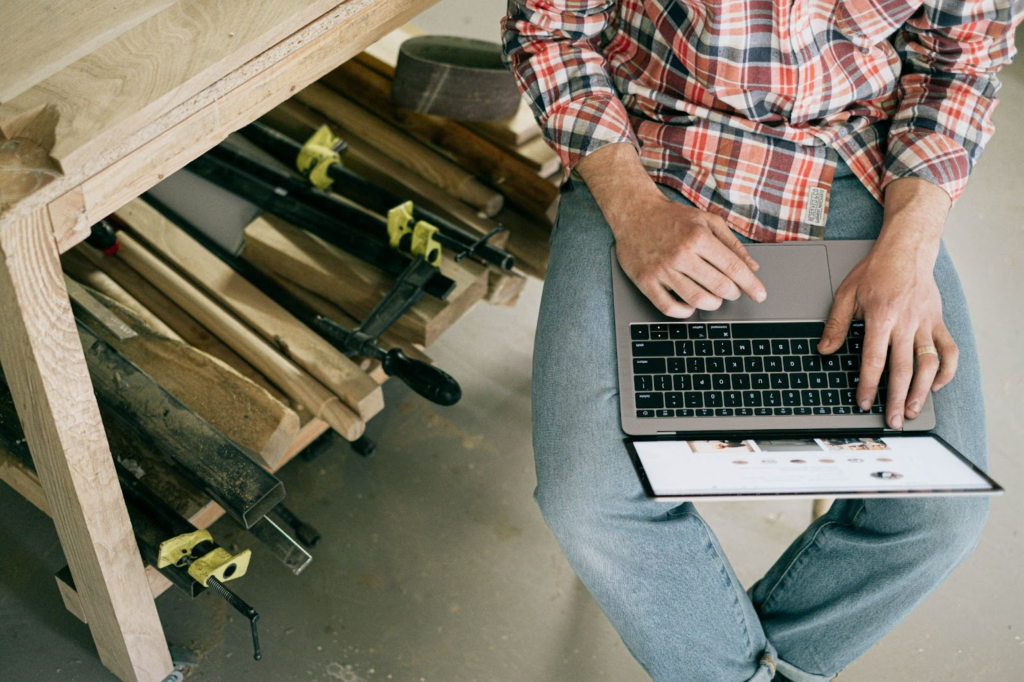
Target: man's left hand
(894, 291)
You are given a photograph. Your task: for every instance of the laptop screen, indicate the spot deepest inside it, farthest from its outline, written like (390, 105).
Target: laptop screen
(831, 466)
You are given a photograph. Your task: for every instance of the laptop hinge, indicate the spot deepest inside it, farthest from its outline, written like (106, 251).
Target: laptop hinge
(769, 433)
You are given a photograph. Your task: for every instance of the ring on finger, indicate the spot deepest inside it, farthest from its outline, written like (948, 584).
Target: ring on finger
(925, 350)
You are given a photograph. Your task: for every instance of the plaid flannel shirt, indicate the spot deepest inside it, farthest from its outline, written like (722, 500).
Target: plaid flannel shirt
(745, 106)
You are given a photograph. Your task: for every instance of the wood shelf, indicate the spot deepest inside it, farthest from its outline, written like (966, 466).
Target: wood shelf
(112, 103)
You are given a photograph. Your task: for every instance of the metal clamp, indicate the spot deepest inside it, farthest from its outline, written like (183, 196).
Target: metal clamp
(321, 151)
(203, 558)
(411, 236)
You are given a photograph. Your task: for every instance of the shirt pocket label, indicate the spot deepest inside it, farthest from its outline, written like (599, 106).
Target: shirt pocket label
(815, 213)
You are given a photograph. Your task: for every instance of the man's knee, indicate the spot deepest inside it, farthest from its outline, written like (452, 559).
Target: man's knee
(942, 530)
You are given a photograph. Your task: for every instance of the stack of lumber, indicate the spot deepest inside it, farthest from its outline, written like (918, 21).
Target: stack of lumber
(197, 309)
(475, 174)
(244, 363)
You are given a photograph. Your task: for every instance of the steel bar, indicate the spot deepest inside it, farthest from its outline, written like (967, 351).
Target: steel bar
(218, 466)
(281, 545)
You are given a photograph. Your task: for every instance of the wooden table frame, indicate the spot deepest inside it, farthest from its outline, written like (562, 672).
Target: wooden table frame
(46, 207)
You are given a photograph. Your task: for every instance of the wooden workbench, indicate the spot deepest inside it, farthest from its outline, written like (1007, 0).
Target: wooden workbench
(98, 102)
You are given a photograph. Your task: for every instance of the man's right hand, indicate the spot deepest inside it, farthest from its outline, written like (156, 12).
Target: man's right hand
(666, 247)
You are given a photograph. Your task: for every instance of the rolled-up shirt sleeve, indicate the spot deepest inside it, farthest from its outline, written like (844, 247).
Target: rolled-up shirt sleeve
(554, 49)
(951, 52)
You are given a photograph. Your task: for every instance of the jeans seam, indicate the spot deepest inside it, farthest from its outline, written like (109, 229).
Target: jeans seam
(800, 556)
(744, 621)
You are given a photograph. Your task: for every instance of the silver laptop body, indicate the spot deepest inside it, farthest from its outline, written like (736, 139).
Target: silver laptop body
(801, 279)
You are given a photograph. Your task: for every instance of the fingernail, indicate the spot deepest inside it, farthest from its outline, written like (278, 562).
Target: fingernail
(897, 421)
(759, 296)
(865, 404)
(913, 407)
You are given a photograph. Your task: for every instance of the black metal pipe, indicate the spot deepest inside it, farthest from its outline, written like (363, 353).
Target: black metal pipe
(202, 454)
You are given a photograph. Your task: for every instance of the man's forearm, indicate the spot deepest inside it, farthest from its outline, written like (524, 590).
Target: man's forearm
(915, 215)
(618, 181)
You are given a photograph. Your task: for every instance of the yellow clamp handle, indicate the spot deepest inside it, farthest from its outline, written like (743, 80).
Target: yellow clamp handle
(317, 155)
(218, 563)
(414, 237)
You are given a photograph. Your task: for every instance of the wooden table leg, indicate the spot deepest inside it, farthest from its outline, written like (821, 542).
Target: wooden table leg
(45, 366)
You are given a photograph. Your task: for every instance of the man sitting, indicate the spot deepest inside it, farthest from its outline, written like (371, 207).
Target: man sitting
(691, 127)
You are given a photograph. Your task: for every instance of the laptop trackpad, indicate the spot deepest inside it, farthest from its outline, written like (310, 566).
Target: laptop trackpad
(796, 277)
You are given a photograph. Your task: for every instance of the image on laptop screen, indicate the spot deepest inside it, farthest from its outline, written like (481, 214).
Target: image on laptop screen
(828, 466)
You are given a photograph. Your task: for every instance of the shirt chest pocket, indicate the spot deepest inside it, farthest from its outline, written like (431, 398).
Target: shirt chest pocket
(865, 23)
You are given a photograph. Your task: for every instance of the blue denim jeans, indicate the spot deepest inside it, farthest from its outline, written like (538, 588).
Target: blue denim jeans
(657, 571)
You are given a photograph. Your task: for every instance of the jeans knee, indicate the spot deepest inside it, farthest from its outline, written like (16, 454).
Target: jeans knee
(945, 530)
(967, 521)
(567, 513)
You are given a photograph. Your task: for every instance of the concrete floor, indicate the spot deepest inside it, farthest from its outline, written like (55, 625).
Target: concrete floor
(437, 567)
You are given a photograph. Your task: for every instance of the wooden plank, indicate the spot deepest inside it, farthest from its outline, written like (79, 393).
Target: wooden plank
(124, 84)
(528, 242)
(235, 406)
(82, 271)
(45, 367)
(292, 338)
(166, 141)
(382, 55)
(38, 39)
(503, 288)
(387, 340)
(299, 121)
(519, 182)
(355, 285)
(291, 379)
(536, 154)
(387, 139)
(175, 318)
(24, 481)
(519, 128)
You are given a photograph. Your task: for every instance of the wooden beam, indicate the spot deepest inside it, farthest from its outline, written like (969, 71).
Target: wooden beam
(528, 241)
(84, 272)
(518, 129)
(150, 73)
(387, 340)
(182, 324)
(232, 404)
(24, 481)
(290, 336)
(387, 139)
(131, 163)
(45, 366)
(355, 285)
(281, 371)
(503, 288)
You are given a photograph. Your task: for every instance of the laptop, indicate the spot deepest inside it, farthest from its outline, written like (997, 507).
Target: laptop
(737, 402)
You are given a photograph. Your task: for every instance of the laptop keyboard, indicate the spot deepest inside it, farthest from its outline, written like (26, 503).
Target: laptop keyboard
(745, 369)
